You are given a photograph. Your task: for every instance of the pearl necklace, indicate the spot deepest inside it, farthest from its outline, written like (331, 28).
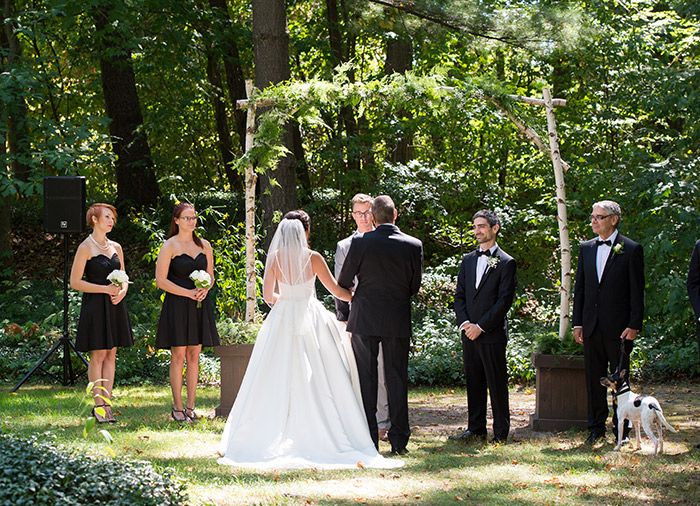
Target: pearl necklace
(103, 248)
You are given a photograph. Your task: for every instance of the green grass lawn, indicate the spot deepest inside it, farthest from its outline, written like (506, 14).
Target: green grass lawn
(535, 469)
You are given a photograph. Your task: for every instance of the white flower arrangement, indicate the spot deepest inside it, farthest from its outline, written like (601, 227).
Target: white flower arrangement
(492, 261)
(118, 278)
(619, 248)
(202, 280)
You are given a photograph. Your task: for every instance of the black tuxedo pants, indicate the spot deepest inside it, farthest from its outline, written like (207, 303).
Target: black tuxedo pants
(485, 368)
(395, 350)
(601, 355)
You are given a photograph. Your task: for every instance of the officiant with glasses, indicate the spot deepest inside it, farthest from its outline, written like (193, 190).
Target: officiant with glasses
(98, 272)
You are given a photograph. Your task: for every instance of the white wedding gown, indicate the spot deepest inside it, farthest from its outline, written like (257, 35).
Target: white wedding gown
(299, 405)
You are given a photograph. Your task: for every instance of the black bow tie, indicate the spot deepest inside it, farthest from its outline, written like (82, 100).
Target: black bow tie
(480, 252)
(607, 242)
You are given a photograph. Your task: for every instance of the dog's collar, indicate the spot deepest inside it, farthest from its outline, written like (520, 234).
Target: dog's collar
(625, 388)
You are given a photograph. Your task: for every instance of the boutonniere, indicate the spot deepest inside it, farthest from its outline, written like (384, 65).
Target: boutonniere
(492, 261)
(619, 248)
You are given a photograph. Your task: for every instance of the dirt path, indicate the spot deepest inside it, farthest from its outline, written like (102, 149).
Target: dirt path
(446, 413)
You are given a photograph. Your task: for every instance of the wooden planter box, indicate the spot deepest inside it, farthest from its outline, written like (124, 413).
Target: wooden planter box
(560, 397)
(234, 362)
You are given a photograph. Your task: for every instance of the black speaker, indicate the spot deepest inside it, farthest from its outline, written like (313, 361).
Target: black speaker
(64, 204)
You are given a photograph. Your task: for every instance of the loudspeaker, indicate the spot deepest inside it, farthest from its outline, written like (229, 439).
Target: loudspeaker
(64, 204)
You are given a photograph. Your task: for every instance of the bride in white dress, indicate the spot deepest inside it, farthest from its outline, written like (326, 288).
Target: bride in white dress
(299, 404)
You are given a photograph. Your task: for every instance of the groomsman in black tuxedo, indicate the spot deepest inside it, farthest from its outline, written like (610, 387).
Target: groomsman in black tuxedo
(608, 308)
(388, 265)
(693, 284)
(485, 291)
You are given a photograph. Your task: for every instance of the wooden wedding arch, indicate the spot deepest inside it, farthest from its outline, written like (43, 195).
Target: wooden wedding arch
(552, 151)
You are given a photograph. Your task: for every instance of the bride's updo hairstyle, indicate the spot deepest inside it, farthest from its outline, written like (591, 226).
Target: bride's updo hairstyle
(300, 215)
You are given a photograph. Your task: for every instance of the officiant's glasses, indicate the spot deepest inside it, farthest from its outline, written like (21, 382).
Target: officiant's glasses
(599, 217)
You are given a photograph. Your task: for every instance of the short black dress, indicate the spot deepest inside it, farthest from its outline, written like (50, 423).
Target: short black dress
(182, 323)
(102, 325)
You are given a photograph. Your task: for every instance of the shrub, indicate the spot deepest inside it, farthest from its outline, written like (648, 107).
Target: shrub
(37, 473)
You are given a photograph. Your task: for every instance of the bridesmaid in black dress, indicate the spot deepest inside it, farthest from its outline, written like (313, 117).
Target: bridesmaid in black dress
(104, 320)
(183, 327)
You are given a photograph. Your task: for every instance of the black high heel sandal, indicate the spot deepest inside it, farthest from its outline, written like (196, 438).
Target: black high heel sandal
(184, 419)
(98, 417)
(193, 417)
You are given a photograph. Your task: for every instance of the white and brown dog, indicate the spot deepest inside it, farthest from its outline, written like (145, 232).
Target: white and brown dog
(641, 410)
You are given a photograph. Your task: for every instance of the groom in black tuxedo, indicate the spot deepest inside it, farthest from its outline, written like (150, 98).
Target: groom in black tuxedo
(388, 265)
(693, 285)
(608, 308)
(485, 291)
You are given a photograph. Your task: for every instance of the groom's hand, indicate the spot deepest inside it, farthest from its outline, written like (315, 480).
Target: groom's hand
(472, 331)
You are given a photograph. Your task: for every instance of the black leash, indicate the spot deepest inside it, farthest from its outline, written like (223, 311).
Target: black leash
(622, 355)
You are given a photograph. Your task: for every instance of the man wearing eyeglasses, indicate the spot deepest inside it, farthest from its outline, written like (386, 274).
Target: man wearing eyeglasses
(362, 214)
(608, 308)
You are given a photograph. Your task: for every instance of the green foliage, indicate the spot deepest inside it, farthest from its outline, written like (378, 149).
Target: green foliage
(237, 332)
(37, 472)
(549, 344)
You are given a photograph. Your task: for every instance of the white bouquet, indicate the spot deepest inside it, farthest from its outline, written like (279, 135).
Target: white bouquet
(118, 278)
(202, 280)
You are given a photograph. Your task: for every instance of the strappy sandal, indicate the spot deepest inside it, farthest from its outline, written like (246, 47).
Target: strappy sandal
(189, 413)
(184, 419)
(98, 417)
(110, 416)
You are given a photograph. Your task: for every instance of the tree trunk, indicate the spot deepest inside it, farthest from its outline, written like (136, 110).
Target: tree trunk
(16, 113)
(225, 144)
(136, 181)
(6, 257)
(227, 48)
(399, 59)
(271, 48)
(341, 49)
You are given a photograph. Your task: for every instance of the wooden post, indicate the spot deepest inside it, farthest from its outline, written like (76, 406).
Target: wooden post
(564, 318)
(250, 179)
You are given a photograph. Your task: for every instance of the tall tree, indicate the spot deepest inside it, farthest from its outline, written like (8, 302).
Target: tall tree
(271, 47)
(14, 150)
(399, 59)
(223, 47)
(136, 181)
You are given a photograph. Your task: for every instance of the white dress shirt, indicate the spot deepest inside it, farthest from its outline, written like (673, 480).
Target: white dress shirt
(603, 253)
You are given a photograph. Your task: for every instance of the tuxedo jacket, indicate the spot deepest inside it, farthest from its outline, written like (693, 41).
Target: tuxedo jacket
(342, 308)
(389, 266)
(693, 282)
(617, 301)
(486, 305)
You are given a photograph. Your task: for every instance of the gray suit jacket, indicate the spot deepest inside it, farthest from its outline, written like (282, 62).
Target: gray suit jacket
(342, 308)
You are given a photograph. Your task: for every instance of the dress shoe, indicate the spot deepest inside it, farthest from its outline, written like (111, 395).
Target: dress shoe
(697, 445)
(383, 434)
(499, 440)
(468, 435)
(401, 451)
(594, 436)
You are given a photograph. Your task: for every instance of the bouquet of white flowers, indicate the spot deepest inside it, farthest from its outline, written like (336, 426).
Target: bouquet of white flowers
(202, 280)
(118, 278)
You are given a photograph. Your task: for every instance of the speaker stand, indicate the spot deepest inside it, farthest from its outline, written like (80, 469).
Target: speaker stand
(65, 340)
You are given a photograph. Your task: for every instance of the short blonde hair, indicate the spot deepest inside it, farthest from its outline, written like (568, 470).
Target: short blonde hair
(95, 211)
(361, 198)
